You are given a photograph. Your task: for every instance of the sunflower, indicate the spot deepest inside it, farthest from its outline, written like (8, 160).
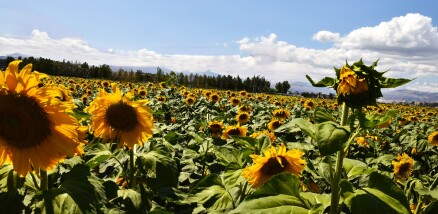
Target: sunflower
(190, 100)
(281, 113)
(274, 124)
(245, 108)
(403, 166)
(105, 84)
(351, 83)
(141, 92)
(243, 117)
(309, 104)
(235, 101)
(273, 162)
(433, 138)
(162, 98)
(362, 142)
(163, 85)
(116, 117)
(84, 99)
(214, 98)
(271, 135)
(215, 128)
(236, 130)
(35, 132)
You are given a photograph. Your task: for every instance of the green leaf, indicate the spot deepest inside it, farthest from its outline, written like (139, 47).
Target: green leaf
(426, 192)
(325, 82)
(322, 115)
(381, 196)
(159, 167)
(5, 170)
(374, 119)
(272, 204)
(392, 83)
(330, 137)
(283, 183)
(354, 168)
(211, 193)
(98, 158)
(82, 188)
(131, 199)
(305, 126)
(247, 142)
(11, 202)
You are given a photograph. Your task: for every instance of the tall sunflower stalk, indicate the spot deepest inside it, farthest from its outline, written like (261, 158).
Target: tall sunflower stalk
(357, 86)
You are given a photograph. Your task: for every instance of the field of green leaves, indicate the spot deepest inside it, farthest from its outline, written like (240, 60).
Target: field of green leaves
(163, 148)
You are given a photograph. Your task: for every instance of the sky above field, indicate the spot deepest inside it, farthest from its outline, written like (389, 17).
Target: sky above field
(281, 40)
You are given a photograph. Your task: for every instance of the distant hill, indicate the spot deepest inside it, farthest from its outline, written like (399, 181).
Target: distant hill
(15, 55)
(404, 95)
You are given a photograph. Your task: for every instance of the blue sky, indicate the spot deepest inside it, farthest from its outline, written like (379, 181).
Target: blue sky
(277, 39)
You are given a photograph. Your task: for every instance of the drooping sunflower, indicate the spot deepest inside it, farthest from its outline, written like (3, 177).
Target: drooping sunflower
(281, 113)
(243, 117)
(433, 138)
(351, 83)
(115, 117)
(35, 131)
(273, 162)
(215, 128)
(403, 166)
(236, 130)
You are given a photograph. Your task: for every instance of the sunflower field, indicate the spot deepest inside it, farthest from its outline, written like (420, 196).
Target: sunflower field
(73, 145)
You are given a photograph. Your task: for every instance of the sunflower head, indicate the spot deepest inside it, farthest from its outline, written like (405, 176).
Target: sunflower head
(235, 101)
(403, 166)
(214, 98)
(281, 113)
(362, 142)
(35, 131)
(190, 100)
(236, 130)
(274, 124)
(273, 162)
(433, 138)
(243, 117)
(358, 85)
(309, 104)
(215, 128)
(245, 108)
(271, 135)
(162, 98)
(116, 118)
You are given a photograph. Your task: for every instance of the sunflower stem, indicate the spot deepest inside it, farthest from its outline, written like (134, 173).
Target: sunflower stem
(338, 171)
(131, 167)
(44, 181)
(418, 208)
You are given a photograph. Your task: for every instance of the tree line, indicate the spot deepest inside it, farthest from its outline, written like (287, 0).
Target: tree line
(255, 84)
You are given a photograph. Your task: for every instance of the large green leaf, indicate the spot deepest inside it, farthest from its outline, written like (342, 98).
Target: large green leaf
(374, 119)
(305, 126)
(381, 196)
(98, 158)
(211, 193)
(322, 115)
(330, 137)
(392, 83)
(354, 168)
(278, 204)
(325, 82)
(284, 183)
(83, 188)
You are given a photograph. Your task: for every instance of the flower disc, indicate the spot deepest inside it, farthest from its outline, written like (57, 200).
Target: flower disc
(121, 116)
(23, 123)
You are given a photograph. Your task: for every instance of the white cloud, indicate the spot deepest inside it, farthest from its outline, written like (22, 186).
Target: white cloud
(390, 42)
(326, 36)
(412, 34)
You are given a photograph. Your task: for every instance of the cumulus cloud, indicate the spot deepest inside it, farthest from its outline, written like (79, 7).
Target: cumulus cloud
(391, 42)
(412, 34)
(326, 36)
